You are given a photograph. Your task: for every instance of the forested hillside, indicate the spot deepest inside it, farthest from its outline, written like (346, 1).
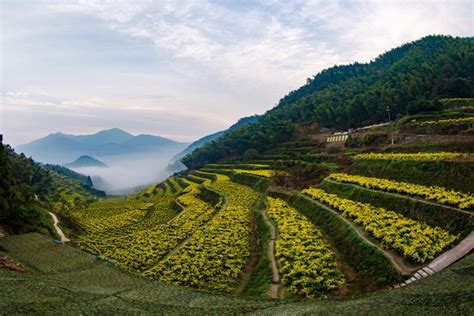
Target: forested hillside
(28, 190)
(408, 80)
(86, 180)
(212, 137)
(21, 181)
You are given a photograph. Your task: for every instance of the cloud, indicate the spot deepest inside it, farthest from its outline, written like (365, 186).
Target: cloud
(170, 63)
(279, 42)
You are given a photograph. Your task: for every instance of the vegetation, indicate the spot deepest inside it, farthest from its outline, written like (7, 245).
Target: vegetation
(362, 256)
(23, 186)
(76, 282)
(412, 239)
(372, 213)
(408, 156)
(140, 247)
(85, 180)
(448, 121)
(306, 262)
(437, 194)
(408, 79)
(457, 175)
(451, 219)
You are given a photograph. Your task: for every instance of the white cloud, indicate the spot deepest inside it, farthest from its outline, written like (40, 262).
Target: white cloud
(208, 62)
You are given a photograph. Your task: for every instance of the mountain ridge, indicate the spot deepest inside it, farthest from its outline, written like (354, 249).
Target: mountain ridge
(61, 148)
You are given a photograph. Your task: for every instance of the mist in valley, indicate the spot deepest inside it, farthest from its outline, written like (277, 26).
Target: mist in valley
(128, 174)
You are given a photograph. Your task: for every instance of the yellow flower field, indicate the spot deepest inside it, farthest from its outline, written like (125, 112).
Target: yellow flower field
(216, 253)
(414, 240)
(447, 121)
(307, 264)
(438, 194)
(410, 156)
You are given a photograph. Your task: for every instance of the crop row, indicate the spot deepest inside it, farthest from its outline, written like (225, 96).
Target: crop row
(119, 220)
(307, 264)
(410, 156)
(216, 253)
(438, 194)
(139, 250)
(414, 240)
(447, 121)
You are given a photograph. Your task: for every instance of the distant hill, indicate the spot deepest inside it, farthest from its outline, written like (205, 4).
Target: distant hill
(175, 163)
(84, 179)
(407, 80)
(86, 161)
(62, 148)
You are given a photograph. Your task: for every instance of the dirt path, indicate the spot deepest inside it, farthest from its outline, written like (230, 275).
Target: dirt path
(443, 261)
(274, 289)
(416, 199)
(64, 239)
(397, 261)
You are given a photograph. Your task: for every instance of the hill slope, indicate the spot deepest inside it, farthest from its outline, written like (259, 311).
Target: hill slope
(175, 163)
(408, 79)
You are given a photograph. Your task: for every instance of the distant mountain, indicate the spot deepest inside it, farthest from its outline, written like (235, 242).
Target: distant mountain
(86, 161)
(114, 135)
(62, 148)
(176, 165)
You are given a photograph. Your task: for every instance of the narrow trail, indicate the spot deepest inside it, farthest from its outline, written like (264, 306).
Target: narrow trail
(64, 239)
(397, 261)
(275, 287)
(443, 261)
(416, 199)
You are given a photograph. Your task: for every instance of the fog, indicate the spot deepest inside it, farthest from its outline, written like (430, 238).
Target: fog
(128, 174)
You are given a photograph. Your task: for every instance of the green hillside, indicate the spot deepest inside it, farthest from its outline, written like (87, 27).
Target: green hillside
(408, 79)
(29, 190)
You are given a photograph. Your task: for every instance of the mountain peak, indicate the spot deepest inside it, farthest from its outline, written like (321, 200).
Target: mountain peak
(86, 161)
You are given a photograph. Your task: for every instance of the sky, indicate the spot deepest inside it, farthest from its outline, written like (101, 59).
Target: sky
(184, 69)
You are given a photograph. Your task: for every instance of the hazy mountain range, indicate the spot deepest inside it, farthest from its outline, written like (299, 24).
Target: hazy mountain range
(114, 143)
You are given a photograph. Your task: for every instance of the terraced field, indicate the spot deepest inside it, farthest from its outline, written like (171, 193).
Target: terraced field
(202, 229)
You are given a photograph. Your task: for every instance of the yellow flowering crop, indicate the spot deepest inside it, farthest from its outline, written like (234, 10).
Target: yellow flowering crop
(438, 194)
(307, 264)
(412, 239)
(410, 156)
(447, 121)
(216, 253)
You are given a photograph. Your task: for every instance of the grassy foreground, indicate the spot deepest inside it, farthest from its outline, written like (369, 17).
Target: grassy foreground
(64, 280)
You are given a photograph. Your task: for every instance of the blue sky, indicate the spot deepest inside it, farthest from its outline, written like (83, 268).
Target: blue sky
(184, 69)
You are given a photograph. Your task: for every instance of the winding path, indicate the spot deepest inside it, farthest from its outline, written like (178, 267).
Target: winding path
(274, 289)
(396, 260)
(64, 239)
